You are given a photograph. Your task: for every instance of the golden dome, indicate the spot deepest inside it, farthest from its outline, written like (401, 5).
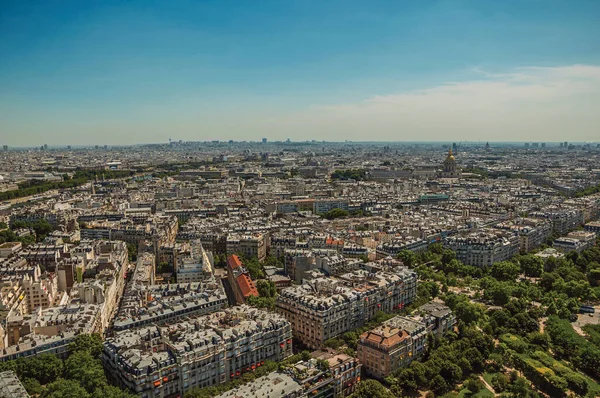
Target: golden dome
(450, 156)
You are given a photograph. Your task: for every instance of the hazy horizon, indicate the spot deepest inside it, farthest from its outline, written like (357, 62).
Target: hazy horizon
(84, 74)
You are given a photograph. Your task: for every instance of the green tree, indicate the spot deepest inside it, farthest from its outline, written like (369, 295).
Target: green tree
(90, 343)
(132, 251)
(111, 392)
(474, 385)
(32, 386)
(371, 389)
(469, 313)
(505, 271)
(255, 268)
(408, 257)
(266, 288)
(86, 369)
(336, 213)
(45, 368)
(62, 388)
(439, 385)
(500, 382)
(531, 265)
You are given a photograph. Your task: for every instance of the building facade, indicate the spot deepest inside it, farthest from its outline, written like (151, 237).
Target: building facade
(164, 361)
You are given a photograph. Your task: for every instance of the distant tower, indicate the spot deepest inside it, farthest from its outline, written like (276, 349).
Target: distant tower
(264, 140)
(487, 146)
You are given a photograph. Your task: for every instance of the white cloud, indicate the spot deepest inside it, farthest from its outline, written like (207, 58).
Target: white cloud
(525, 104)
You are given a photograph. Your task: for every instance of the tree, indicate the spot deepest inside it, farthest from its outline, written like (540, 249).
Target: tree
(45, 368)
(90, 343)
(474, 385)
(408, 257)
(447, 256)
(371, 389)
(255, 268)
(499, 293)
(499, 382)
(132, 251)
(468, 312)
(336, 213)
(87, 370)
(505, 271)
(476, 360)
(439, 385)
(62, 388)
(266, 288)
(111, 392)
(32, 386)
(322, 364)
(520, 388)
(532, 266)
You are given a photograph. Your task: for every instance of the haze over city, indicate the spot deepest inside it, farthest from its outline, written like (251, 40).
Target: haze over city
(83, 73)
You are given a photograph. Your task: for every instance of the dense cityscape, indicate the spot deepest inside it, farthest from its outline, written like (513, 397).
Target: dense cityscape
(300, 269)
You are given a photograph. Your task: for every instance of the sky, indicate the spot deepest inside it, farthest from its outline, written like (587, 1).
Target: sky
(127, 72)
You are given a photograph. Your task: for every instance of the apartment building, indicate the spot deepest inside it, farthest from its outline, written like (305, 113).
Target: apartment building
(483, 248)
(321, 206)
(159, 230)
(280, 243)
(575, 241)
(11, 387)
(563, 219)
(325, 307)
(41, 291)
(8, 249)
(163, 361)
(394, 247)
(276, 383)
(532, 232)
(438, 318)
(254, 245)
(383, 350)
(593, 226)
(402, 339)
(194, 267)
(345, 371)
(299, 262)
(49, 330)
(44, 255)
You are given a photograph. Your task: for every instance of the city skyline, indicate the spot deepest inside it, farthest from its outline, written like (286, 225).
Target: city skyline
(85, 74)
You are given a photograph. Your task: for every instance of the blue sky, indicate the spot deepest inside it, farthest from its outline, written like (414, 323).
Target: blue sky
(112, 72)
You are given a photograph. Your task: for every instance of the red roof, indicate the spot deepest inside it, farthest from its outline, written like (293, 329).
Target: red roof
(234, 261)
(247, 286)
